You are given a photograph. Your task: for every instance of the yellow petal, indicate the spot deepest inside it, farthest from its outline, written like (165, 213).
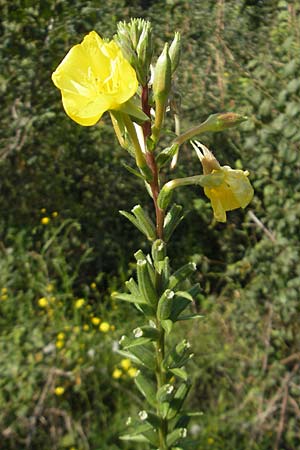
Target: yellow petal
(94, 77)
(239, 184)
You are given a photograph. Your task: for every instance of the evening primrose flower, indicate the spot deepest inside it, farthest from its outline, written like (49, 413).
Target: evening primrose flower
(42, 302)
(125, 363)
(94, 77)
(79, 303)
(132, 371)
(234, 189)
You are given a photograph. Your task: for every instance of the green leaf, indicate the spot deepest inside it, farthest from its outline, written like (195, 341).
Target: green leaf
(166, 155)
(133, 220)
(182, 274)
(144, 222)
(146, 387)
(167, 326)
(128, 298)
(181, 373)
(189, 317)
(145, 283)
(133, 108)
(176, 435)
(172, 220)
(133, 171)
(180, 302)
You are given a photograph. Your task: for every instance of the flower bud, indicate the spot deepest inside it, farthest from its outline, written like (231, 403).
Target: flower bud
(222, 121)
(174, 52)
(135, 40)
(162, 75)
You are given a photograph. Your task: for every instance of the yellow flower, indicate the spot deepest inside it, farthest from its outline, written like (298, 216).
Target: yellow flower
(43, 210)
(85, 327)
(117, 373)
(104, 327)
(59, 390)
(79, 303)
(49, 287)
(95, 320)
(43, 302)
(233, 189)
(125, 363)
(45, 220)
(4, 290)
(94, 77)
(59, 344)
(132, 371)
(61, 336)
(54, 214)
(4, 297)
(210, 441)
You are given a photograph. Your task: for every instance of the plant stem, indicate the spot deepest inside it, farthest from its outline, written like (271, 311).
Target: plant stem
(139, 156)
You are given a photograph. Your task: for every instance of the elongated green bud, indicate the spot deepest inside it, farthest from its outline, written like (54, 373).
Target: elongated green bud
(158, 250)
(174, 52)
(162, 75)
(215, 122)
(146, 286)
(164, 306)
(181, 274)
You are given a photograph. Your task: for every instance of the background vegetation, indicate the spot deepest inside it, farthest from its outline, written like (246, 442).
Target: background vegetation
(65, 249)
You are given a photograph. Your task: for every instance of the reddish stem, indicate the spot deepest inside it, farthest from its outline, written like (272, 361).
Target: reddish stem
(150, 158)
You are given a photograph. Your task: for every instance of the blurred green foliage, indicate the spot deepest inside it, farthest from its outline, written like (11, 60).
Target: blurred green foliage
(237, 55)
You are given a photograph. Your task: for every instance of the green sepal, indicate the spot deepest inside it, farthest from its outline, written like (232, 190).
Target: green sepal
(172, 220)
(166, 155)
(178, 399)
(164, 306)
(145, 222)
(167, 325)
(182, 274)
(176, 435)
(133, 109)
(146, 387)
(145, 283)
(128, 298)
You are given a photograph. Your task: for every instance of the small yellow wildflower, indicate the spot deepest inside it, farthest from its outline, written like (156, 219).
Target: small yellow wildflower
(45, 220)
(132, 371)
(59, 390)
(54, 214)
(76, 329)
(59, 344)
(49, 287)
(85, 327)
(210, 441)
(233, 189)
(104, 327)
(53, 299)
(61, 336)
(4, 290)
(125, 363)
(95, 320)
(43, 210)
(43, 302)
(4, 297)
(79, 303)
(117, 373)
(94, 77)
(93, 286)
(112, 327)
